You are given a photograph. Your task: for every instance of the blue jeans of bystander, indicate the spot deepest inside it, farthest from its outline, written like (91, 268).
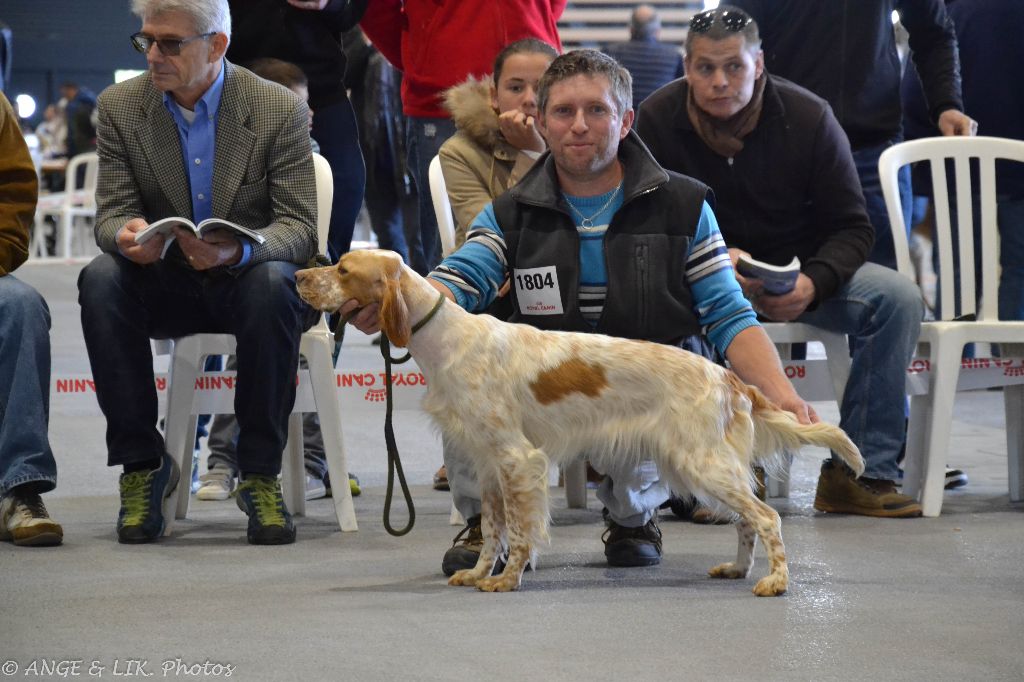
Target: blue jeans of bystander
(25, 454)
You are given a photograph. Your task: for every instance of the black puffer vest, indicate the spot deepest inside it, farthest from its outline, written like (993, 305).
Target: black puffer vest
(645, 249)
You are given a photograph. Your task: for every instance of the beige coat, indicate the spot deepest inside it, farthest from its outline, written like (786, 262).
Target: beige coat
(477, 163)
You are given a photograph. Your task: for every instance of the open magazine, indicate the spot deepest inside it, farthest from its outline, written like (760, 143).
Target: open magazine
(167, 225)
(777, 279)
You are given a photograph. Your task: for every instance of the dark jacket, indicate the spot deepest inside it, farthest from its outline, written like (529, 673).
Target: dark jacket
(792, 190)
(645, 248)
(845, 51)
(309, 39)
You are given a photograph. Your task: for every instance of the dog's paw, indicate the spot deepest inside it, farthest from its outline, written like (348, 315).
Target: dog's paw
(498, 583)
(771, 585)
(464, 578)
(728, 570)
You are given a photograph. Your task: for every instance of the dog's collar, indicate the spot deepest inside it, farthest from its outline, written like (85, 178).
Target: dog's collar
(339, 328)
(433, 311)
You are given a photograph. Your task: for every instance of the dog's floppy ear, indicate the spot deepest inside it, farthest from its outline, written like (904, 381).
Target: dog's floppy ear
(394, 316)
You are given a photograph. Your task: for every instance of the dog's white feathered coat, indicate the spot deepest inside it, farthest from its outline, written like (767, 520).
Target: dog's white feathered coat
(517, 399)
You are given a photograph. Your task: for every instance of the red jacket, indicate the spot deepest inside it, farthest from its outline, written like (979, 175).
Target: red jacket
(438, 43)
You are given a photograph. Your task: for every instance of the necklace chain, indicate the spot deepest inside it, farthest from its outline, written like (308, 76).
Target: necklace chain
(588, 222)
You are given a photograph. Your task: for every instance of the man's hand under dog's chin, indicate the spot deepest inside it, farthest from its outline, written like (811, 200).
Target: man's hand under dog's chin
(366, 318)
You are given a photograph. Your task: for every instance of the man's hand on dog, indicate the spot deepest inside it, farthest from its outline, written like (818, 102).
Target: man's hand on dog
(367, 320)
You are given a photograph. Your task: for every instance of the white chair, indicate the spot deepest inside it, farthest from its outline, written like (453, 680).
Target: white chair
(931, 414)
(574, 475)
(442, 207)
(77, 201)
(316, 346)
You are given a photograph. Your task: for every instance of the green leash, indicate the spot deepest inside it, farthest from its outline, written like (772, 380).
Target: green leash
(394, 460)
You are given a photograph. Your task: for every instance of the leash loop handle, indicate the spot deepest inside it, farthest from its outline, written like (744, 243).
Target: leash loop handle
(394, 461)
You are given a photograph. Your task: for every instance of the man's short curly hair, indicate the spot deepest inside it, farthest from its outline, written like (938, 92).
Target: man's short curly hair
(588, 63)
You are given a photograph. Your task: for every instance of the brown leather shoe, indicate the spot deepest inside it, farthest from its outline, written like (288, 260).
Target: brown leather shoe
(441, 479)
(839, 492)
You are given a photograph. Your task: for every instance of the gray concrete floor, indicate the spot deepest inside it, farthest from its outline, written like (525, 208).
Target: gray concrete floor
(924, 599)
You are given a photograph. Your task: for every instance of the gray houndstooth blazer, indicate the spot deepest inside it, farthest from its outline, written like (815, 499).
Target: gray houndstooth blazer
(262, 170)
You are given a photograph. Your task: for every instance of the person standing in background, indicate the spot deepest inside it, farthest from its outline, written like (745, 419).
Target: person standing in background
(650, 63)
(307, 33)
(437, 45)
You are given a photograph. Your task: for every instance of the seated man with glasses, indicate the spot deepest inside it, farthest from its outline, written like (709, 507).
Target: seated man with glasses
(197, 137)
(786, 186)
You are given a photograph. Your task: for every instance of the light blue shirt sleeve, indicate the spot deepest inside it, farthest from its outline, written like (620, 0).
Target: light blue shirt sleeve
(476, 271)
(722, 309)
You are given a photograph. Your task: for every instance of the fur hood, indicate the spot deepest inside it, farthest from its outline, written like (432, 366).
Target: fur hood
(469, 103)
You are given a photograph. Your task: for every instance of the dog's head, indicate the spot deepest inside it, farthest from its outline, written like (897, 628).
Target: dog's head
(368, 276)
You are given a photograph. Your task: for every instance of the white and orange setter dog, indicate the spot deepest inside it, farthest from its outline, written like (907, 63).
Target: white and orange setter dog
(519, 399)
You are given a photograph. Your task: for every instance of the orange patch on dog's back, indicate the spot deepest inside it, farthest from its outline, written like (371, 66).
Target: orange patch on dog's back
(571, 376)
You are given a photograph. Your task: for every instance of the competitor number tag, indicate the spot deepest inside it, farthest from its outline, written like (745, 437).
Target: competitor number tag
(537, 291)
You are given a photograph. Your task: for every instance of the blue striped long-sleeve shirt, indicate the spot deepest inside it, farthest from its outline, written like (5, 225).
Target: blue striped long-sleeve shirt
(476, 271)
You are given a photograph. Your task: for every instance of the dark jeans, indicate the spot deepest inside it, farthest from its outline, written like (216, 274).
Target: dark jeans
(334, 129)
(423, 140)
(124, 305)
(884, 252)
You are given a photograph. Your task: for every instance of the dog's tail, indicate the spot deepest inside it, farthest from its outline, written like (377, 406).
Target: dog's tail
(777, 431)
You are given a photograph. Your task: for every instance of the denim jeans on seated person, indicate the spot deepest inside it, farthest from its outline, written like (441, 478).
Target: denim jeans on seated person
(424, 137)
(1011, 258)
(25, 454)
(124, 305)
(881, 311)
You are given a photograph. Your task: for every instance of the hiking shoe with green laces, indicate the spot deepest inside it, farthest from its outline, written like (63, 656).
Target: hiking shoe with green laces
(142, 518)
(269, 522)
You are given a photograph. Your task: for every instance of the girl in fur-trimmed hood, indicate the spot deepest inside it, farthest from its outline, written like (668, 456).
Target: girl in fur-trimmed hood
(497, 140)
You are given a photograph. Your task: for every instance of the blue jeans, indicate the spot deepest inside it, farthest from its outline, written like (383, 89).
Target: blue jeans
(424, 138)
(25, 454)
(881, 311)
(124, 305)
(334, 129)
(884, 253)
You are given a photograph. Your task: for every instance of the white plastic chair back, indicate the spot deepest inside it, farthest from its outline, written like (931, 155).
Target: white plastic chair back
(442, 207)
(956, 301)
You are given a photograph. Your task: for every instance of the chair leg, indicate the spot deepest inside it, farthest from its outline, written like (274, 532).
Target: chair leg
(293, 469)
(575, 476)
(67, 224)
(317, 351)
(179, 422)
(777, 484)
(945, 368)
(1013, 401)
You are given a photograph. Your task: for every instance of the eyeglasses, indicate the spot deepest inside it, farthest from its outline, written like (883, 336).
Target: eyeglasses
(169, 47)
(733, 20)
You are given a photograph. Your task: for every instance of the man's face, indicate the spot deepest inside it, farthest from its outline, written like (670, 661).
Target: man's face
(187, 75)
(721, 74)
(583, 127)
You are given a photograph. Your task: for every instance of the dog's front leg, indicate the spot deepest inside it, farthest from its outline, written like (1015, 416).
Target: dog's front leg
(492, 527)
(524, 492)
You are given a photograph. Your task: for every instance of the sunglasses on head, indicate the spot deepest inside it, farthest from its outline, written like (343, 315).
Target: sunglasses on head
(169, 47)
(734, 21)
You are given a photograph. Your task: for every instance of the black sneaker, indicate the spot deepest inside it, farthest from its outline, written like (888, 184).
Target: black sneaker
(141, 518)
(465, 549)
(269, 522)
(639, 546)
